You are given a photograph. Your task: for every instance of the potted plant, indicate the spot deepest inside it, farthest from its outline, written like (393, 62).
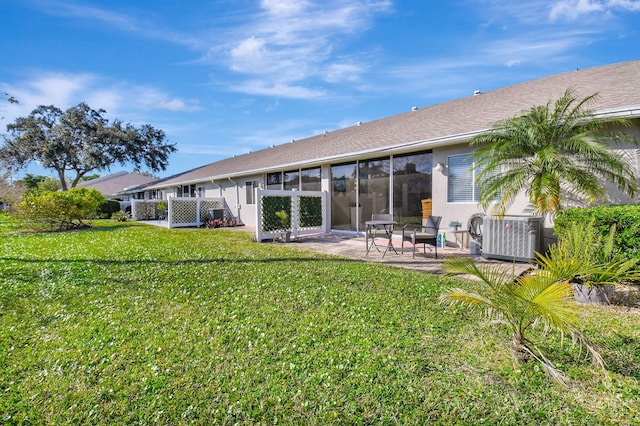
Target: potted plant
(586, 260)
(162, 207)
(455, 225)
(282, 225)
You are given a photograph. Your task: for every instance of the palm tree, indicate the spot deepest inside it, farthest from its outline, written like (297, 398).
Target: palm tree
(551, 151)
(521, 304)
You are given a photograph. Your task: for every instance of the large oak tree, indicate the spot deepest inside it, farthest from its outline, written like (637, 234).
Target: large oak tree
(80, 140)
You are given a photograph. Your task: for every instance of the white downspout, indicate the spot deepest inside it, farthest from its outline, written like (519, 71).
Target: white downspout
(237, 197)
(213, 181)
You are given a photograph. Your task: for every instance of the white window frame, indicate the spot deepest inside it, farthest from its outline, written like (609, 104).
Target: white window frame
(457, 165)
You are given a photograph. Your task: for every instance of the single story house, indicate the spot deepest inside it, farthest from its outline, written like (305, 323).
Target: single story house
(392, 164)
(113, 185)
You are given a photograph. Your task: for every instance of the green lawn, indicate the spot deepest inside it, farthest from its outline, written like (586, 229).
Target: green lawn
(8, 223)
(129, 324)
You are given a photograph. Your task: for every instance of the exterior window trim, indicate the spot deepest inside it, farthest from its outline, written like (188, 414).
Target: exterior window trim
(468, 195)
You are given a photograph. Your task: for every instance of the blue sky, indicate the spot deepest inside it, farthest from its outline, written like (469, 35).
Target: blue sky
(225, 77)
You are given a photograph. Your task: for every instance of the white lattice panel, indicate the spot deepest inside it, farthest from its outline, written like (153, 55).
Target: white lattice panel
(143, 210)
(205, 205)
(184, 211)
(315, 215)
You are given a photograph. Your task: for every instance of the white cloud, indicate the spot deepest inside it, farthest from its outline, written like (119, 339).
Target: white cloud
(248, 55)
(109, 17)
(114, 19)
(65, 90)
(571, 10)
(340, 72)
(283, 44)
(284, 7)
(267, 88)
(630, 5)
(293, 41)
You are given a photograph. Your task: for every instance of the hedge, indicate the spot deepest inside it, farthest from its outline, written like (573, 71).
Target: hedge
(626, 218)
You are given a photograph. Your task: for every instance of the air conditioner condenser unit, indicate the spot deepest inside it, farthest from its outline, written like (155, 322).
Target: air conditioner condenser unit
(515, 238)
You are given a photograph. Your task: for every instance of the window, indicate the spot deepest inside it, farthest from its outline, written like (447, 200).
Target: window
(187, 191)
(412, 183)
(291, 180)
(344, 214)
(461, 187)
(373, 187)
(310, 179)
(201, 192)
(274, 180)
(249, 187)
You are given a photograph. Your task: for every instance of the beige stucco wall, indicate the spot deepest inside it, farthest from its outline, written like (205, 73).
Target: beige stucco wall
(234, 191)
(462, 211)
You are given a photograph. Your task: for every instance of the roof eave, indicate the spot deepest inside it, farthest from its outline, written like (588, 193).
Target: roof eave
(629, 111)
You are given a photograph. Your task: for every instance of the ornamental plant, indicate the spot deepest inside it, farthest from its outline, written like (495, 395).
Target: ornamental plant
(521, 304)
(60, 211)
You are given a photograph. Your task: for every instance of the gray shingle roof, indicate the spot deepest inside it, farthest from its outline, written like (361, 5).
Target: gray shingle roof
(113, 184)
(618, 86)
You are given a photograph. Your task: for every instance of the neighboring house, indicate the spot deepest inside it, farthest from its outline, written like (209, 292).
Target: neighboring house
(391, 164)
(111, 186)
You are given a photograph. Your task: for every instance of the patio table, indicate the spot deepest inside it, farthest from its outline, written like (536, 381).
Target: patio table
(459, 235)
(373, 226)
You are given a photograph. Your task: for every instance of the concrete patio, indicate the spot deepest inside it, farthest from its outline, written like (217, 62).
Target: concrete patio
(354, 248)
(625, 296)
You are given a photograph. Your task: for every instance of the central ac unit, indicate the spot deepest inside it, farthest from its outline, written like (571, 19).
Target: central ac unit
(515, 238)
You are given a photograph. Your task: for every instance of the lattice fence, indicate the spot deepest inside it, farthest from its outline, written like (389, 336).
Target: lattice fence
(186, 211)
(177, 211)
(148, 210)
(294, 212)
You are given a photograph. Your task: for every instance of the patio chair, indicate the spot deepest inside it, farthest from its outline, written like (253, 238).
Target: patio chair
(425, 233)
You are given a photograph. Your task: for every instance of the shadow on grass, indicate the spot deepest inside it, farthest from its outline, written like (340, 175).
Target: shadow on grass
(89, 228)
(172, 263)
(621, 360)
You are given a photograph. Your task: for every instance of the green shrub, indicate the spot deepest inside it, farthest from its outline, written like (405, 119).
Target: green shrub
(625, 218)
(582, 255)
(108, 208)
(121, 216)
(60, 211)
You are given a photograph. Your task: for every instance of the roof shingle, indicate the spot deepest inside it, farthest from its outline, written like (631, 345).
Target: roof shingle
(618, 86)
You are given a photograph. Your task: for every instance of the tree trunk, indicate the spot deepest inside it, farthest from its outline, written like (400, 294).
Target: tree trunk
(519, 352)
(63, 181)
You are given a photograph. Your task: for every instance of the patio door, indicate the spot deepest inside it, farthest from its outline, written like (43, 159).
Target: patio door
(374, 178)
(344, 196)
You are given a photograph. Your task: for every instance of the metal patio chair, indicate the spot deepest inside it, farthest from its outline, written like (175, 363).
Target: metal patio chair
(425, 233)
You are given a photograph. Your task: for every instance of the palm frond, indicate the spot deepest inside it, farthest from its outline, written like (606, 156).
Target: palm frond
(560, 145)
(456, 296)
(492, 276)
(547, 365)
(555, 305)
(580, 339)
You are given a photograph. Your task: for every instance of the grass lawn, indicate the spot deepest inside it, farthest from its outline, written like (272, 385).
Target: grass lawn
(132, 324)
